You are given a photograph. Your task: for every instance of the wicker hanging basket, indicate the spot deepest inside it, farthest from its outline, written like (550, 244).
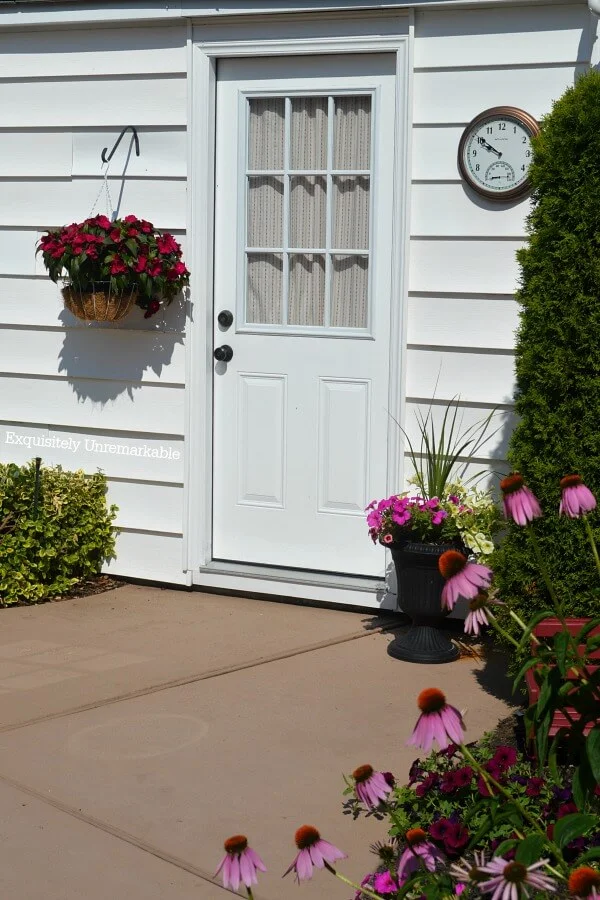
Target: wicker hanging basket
(99, 304)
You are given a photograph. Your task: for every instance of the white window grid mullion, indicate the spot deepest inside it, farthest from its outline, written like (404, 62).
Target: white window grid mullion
(286, 209)
(329, 211)
(342, 251)
(273, 172)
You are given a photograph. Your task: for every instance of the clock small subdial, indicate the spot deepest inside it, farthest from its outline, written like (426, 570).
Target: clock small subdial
(500, 173)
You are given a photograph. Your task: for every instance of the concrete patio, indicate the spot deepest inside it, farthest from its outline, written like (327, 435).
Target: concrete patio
(142, 726)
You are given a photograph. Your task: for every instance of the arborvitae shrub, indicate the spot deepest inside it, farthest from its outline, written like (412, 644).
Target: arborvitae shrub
(45, 551)
(558, 356)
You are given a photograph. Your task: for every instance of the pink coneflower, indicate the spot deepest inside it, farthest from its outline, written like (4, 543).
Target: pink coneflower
(419, 852)
(465, 871)
(584, 883)
(463, 579)
(520, 504)
(438, 721)
(314, 851)
(476, 618)
(577, 499)
(240, 863)
(371, 787)
(511, 880)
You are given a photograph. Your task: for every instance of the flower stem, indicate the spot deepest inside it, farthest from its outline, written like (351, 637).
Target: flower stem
(357, 887)
(592, 541)
(524, 812)
(545, 574)
(500, 629)
(249, 891)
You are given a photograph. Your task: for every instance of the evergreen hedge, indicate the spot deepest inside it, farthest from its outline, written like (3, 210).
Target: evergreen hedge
(44, 551)
(558, 355)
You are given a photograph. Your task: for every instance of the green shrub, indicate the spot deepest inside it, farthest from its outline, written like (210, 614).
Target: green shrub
(558, 354)
(45, 552)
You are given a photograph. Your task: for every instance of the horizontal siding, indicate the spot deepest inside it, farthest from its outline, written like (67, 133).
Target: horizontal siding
(101, 51)
(155, 557)
(468, 417)
(37, 302)
(524, 35)
(450, 210)
(119, 454)
(435, 152)
(468, 322)
(464, 266)
(20, 154)
(450, 96)
(93, 102)
(143, 505)
(163, 153)
(53, 202)
(17, 252)
(131, 356)
(85, 403)
(474, 377)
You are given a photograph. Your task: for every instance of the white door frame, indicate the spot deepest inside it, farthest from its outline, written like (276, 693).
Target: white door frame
(207, 41)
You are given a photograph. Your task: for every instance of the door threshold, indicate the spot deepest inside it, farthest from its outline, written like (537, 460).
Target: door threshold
(298, 576)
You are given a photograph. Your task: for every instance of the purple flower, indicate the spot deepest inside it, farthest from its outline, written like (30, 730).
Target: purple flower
(366, 882)
(463, 579)
(438, 517)
(313, 851)
(428, 783)
(457, 839)
(534, 787)
(438, 721)
(419, 852)
(504, 758)
(371, 787)
(454, 499)
(240, 863)
(520, 504)
(385, 884)
(511, 880)
(577, 499)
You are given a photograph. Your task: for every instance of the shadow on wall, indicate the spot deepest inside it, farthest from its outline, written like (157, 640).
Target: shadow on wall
(103, 361)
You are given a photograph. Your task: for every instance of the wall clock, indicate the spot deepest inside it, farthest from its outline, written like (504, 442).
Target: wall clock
(495, 152)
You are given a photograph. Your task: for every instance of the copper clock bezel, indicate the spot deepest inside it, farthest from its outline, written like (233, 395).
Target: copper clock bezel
(501, 112)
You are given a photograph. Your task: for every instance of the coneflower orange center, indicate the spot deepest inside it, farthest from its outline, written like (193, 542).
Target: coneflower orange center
(306, 836)
(431, 700)
(451, 563)
(571, 481)
(515, 873)
(236, 844)
(582, 880)
(513, 482)
(415, 836)
(363, 773)
(477, 602)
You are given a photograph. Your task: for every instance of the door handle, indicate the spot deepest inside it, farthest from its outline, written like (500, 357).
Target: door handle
(223, 354)
(225, 318)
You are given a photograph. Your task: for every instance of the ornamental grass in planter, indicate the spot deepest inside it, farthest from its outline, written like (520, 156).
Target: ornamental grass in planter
(108, 267)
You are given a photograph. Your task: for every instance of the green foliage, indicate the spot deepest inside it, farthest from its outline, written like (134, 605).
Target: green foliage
(46, 551)
(558, 356)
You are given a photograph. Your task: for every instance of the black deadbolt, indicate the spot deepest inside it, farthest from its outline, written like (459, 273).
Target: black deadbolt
(225, 318)
(224, 353)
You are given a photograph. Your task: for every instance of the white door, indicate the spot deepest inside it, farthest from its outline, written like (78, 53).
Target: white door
(303, 251)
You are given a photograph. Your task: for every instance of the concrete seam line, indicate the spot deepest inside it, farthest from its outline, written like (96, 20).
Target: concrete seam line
(117, 833)
(192, 679)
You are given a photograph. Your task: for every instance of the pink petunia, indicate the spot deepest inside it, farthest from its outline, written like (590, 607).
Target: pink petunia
(577, 499)
(463, 579)
(240, 863)
(384, 883)
(371, 787)
(438, 721)
(520, 504)
(313, 851)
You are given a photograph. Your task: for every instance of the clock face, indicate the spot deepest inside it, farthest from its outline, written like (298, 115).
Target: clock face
(495, 152)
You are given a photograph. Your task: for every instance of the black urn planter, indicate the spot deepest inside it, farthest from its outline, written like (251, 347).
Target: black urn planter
(420, 597)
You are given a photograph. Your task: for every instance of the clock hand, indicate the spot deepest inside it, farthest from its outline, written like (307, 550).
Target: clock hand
(489, 147)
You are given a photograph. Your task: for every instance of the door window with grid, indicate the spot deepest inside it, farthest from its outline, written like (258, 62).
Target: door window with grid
(308, 207)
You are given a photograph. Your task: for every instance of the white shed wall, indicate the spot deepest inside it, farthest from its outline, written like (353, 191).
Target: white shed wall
(463, 271)
(66, 94)
(112, 396)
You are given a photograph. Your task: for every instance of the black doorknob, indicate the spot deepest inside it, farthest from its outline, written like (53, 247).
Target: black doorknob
(225, 318)
(224, 353)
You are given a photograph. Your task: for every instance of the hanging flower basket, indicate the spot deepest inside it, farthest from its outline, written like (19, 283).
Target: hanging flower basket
(99, 304)
(109, 267)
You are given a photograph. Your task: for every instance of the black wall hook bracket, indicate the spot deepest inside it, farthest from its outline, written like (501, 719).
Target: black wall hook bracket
(107, 159)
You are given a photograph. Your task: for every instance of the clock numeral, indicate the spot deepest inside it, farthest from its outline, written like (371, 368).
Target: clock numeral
(477, 167)
(489, 129)
(528, 153)
(474, 152)
(523, 168)
(501, 126)
(514, 129)
(524, 141)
